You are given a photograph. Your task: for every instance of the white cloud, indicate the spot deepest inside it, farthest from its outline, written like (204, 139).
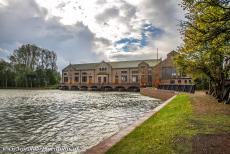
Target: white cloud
(86, 31)
(144, 53)
(73, 43)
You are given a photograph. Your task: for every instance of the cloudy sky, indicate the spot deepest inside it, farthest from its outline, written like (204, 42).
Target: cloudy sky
(82, 31)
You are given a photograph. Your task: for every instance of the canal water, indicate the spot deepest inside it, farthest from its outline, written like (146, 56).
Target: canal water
(61, 121)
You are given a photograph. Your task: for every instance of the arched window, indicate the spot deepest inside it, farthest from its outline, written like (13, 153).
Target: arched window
(102, 69)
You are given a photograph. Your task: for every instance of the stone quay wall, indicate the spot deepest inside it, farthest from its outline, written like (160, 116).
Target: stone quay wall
(157, 93)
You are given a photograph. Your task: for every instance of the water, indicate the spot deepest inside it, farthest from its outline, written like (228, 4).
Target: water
(52, 119)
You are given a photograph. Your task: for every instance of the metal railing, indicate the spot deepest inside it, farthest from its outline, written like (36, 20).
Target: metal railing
(178, 87)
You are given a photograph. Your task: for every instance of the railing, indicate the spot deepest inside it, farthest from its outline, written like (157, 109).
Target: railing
(178, 87)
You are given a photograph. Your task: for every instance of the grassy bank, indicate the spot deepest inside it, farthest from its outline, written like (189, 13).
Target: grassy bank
(174, 129)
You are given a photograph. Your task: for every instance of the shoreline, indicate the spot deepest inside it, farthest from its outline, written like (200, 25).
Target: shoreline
(107, 143)
(24, 88)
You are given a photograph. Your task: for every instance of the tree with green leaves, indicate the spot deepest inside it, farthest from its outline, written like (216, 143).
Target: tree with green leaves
(206, 47)
(6, 74)
(29, 66)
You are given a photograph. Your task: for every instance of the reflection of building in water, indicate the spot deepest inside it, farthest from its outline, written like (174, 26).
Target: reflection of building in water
(121, 75)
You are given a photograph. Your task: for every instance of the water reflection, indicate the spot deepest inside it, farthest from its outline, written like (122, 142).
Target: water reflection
(66, 118)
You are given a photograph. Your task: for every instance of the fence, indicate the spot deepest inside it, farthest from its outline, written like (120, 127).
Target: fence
(178, 87)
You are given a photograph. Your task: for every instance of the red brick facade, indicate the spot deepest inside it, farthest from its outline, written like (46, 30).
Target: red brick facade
(165, 73)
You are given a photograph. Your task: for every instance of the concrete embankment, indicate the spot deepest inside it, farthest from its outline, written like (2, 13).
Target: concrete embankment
(157, 93)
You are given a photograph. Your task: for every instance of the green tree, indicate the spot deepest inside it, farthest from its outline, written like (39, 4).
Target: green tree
(206, 48)
(6, 74)
(30, 66)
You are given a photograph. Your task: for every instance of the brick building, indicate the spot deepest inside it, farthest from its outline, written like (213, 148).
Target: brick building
(165, 76)
(121, 75)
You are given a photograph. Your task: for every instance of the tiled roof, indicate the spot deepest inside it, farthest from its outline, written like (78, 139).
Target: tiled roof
(132, 64)
(118, 64)
(86, 66)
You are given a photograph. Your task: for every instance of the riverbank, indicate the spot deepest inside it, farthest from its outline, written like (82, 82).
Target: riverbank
(157, 93)
(191, 123)
(106, 144)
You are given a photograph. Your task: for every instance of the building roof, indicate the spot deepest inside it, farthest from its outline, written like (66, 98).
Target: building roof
(133, 63)
(117, 64)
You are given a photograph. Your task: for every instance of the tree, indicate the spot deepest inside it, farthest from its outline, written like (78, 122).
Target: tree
(6, 74)
(30, 66)
(206, 48)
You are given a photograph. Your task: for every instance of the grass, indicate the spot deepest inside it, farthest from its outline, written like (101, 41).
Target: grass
(173, 128)
(157, 133)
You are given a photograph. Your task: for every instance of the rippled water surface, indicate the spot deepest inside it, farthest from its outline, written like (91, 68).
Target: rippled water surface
(74, 119)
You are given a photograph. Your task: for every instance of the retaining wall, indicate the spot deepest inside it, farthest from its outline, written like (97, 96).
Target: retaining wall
(157, 93)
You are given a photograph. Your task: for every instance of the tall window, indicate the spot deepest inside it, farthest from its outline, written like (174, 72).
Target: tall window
(116, 79)
(149, 78)
(76, 79)
(90, 79)
(65, 79)
(84, 79)
(103, 69)
(70, 80)
(134, 78)
(168, 72)
(124, 78)
(104, 80)
(143, 67)
(99, 79)
(123, 72)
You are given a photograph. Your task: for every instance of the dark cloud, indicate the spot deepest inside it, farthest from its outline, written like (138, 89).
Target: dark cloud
(161, 19)
(128, 9)
(23, 21)
(165, 13)
(108, 13)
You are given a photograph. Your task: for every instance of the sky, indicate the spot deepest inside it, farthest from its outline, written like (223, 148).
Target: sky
(83, 31)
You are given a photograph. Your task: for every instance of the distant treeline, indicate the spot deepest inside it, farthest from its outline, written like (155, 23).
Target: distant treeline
(29, 66)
